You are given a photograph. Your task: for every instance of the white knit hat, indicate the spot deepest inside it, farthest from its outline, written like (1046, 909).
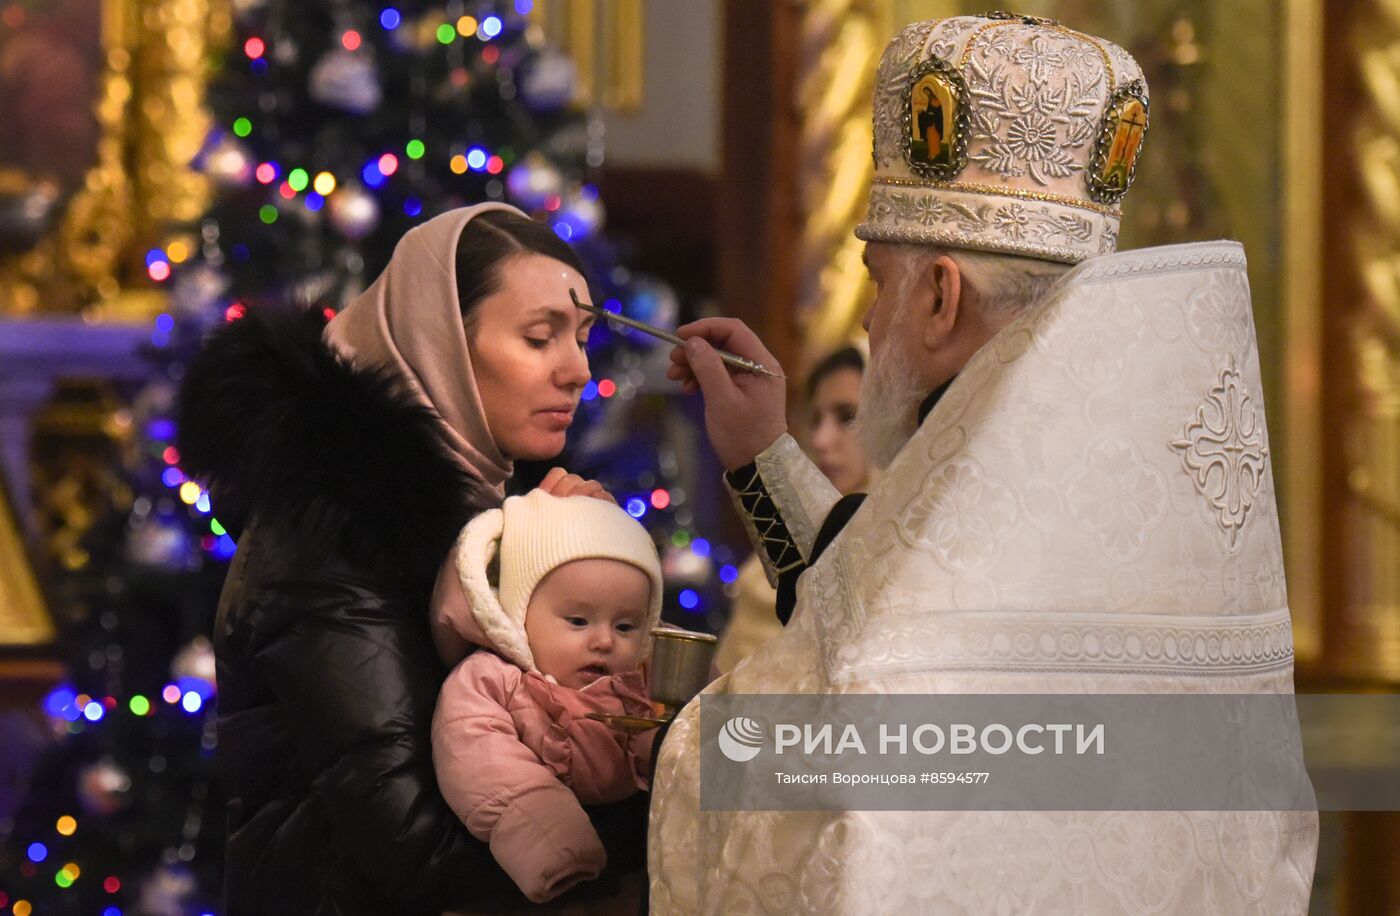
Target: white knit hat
(533, 534)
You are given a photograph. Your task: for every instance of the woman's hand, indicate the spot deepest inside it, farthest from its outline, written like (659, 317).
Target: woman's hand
(559, 482)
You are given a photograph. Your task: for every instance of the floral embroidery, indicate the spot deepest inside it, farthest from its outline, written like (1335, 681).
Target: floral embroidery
(1050, 119)
(1039, 60)
(1216, 318)
(1013, 220)
(1119, 497)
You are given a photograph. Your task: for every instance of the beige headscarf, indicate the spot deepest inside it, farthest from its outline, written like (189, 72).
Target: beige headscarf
(409, 321)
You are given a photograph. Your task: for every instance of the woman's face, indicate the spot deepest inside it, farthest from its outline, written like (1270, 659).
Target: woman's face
(833, 441)
(527, 349)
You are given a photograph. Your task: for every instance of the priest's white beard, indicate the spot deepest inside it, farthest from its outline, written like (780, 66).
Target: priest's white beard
(889, 401)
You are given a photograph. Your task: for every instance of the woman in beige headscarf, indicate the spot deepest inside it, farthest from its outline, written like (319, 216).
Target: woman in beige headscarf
(345, 457)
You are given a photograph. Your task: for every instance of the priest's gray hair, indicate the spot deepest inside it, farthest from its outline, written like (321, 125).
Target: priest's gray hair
(1002, 285)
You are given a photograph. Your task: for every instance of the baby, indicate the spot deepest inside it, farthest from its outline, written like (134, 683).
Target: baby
(563, 634)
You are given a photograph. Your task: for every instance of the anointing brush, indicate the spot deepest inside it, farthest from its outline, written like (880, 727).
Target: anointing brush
(733, 359)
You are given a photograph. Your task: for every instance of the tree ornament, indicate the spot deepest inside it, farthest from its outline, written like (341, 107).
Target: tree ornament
(547, 81)
(354, 212)
(229, 164)
(347, 80)
(195, 660)
(103, 787)
(533, 181)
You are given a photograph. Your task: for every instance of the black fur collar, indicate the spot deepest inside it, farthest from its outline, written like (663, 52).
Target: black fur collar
(276, 425)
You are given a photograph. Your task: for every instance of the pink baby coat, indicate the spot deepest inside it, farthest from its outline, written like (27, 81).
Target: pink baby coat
(517, 757)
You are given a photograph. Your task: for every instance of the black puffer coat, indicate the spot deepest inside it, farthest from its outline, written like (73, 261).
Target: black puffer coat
(343, 503)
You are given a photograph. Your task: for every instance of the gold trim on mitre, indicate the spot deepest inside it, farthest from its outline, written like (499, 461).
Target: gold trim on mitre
(1105, 209)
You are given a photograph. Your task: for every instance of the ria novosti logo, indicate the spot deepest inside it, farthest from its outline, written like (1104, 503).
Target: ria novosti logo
(741, 739)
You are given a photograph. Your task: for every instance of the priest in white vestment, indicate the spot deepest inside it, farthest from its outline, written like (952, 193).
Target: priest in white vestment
(1078, 498)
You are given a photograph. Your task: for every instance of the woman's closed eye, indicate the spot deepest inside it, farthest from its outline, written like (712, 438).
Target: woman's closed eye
(539, 343)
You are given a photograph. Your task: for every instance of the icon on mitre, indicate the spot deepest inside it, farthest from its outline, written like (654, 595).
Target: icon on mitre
(1125, 126)
(932, 116)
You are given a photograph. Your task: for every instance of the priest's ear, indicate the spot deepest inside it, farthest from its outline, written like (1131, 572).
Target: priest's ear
(941, 287)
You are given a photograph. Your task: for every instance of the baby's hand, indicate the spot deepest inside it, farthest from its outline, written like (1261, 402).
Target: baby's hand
(559, 482)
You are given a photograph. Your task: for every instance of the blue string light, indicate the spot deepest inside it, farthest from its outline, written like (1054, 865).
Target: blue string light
(636, 507)
(161, 429)
(38, 852)
(728, 573)
(390, 18)
(590, 391)
(412, 206)
(700, 547)
(491, 26)
(60, 701)
(224, 547)
(689, 599)
(201, 688)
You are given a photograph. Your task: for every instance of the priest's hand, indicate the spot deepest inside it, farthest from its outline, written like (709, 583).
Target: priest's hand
(745, 412)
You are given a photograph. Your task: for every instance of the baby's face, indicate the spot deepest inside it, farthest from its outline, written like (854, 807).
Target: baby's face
(585, 620)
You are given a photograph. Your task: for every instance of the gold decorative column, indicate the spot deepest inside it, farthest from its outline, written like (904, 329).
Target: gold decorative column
(1371, 445)
(840, 43)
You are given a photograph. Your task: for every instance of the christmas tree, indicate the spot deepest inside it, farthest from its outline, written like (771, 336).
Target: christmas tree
(338, 127)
